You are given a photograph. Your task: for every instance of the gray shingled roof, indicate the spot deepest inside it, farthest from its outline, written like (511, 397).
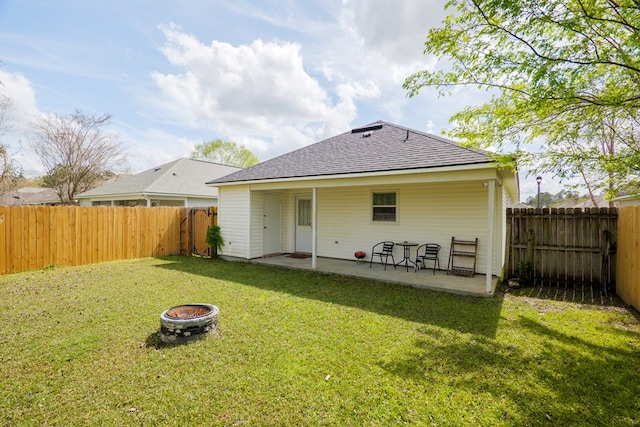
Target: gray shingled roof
(182, 177)
(377, 147)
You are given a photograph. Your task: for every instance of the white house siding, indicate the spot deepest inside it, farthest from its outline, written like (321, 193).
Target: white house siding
(234, 220)
(257, 225)
(507, 202)
(427, 213)
(288, 221)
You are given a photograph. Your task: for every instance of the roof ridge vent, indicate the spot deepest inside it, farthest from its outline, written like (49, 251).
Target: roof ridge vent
(366, 129)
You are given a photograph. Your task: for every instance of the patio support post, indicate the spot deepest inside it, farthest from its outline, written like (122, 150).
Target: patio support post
(490, 222)
(314, 229)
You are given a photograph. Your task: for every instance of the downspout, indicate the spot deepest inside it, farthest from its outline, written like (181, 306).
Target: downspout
(490, 221)
(314, 229)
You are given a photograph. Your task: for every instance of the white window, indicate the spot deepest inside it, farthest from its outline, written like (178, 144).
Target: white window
(304, 212)
(384, 207)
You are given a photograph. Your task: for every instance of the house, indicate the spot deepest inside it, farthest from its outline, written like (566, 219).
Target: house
(624, 200)
(521, 205)
(374, 183)
(178, 183)
(586, 202)
(30, 196)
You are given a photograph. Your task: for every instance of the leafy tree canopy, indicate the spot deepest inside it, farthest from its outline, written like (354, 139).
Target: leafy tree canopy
(563, 72)
(225, 152)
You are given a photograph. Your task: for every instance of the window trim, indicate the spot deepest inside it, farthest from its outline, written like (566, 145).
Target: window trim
(395, 206)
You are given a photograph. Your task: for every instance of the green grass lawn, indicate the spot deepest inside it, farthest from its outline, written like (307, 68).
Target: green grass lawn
(79, 346)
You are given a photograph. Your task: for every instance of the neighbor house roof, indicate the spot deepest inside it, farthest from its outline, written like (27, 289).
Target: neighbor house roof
(183, 177)
(377, 147)
(31, 196)
(585, 202)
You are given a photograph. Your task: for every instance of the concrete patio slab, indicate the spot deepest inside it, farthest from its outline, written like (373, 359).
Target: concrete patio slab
(440, 281)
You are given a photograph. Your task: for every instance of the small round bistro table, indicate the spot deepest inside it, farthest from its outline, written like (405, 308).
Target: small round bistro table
(406, 260)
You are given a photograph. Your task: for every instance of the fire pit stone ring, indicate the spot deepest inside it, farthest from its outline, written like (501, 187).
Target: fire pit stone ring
(185, 323)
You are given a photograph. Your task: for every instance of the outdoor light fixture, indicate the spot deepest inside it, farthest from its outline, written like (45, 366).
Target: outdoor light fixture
(538, 180)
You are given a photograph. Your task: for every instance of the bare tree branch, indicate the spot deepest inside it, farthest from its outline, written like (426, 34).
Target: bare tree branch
(75, 152)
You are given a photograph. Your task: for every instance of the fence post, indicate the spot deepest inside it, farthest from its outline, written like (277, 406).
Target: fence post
(606, 260)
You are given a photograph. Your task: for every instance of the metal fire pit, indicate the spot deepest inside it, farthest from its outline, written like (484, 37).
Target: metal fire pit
(189, 322)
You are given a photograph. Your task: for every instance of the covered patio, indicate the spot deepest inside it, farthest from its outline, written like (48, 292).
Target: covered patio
(425, 279)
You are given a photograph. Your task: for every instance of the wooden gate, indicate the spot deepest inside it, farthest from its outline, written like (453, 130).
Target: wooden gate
(201, 219)
(567, 246)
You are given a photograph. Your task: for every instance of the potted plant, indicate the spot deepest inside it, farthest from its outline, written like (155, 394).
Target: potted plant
(214, 239)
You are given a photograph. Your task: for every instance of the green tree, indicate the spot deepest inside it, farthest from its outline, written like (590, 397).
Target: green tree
(549, 200)
(75, 151)
(564, 72)
(226, 153)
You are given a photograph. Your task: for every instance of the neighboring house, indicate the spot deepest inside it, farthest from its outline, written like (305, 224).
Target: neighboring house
(30, 196)
(521, 205)
(178, 183)
(379, 182)
(627, 200)
(587, 202)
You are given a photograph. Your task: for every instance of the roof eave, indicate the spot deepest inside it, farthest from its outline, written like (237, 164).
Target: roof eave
(438, 169)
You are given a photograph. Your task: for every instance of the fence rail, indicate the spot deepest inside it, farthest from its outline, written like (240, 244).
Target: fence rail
(35, 237)
(562, 245)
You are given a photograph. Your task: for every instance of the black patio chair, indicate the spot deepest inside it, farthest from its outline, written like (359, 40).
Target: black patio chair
(383, 250)
(428, 252)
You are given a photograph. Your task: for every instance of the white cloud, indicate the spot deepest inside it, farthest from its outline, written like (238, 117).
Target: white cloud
(258, 92)
(17, 87)
(395, 30)
(24, 111)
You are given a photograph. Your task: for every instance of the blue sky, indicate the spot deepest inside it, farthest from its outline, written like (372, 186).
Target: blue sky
(272, 75)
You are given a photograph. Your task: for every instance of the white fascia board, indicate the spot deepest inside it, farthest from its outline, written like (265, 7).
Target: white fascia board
(441, 174)
(624, 198)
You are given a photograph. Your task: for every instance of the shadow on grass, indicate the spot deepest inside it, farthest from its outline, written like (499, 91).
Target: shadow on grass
(585, 294)
(562, 379)
(153, 341)
(474, 315)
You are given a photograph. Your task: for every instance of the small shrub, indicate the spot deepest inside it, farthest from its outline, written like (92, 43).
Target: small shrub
(525, 273)
(214, 239)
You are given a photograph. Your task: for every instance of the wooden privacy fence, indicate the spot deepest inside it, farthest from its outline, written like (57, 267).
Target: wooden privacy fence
(628, 256)
(553, 246)
(35, 237)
